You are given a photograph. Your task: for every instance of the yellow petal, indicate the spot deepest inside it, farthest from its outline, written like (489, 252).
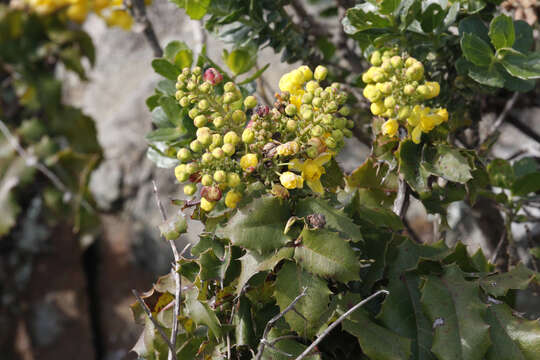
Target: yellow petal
(323, 159)
(296, 165)
(316, 186)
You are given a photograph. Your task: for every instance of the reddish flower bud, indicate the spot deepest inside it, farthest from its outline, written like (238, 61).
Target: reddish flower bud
(213, 76)
(211, 193)
(195, 177)
(262, 110)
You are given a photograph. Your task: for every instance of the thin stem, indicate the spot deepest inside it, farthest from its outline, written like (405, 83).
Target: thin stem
(154, 321)
(272, 322)
(137, 10)
(338, 321)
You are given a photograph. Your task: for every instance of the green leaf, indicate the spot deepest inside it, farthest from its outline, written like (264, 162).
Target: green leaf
(290, 282)
(259, 225)
(409, 157)
(501, 31)
(364, 17)
(160, 159)
(201, 313)
(288, 346)
(213, 268)
(335, 219)
(448, 163)
(240, 60)
(196, 9)
(255, 76)
(173, 227)
(457, 314)
(525, 166)
(513, 337)
(499, 284)
(165, 68)
(432, 17)
(388, 6)
(376, 215)
(328, 255)
(376, 342)
(172, 109)
(526, 184)
(476, 50)
(500, 173)
(526, 67)
(164, 134)
(489, 76)
(474, 25)
(243, 324)
(178, 53)
(524, 36)
(253, 263)
(160, 118)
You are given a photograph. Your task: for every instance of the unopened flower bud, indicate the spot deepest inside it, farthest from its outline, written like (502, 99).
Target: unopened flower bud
(248, 136)
(396, 62)
(220, 176)
(290, 110)
(205, 87)
(191, 85)
(330, 142)
(196, 146)
(207, 158)
(345, 111)
(190, 189)
(217, 139)
(408, 89)
(212, 76)
(184, 101)
(331, 107)
(311, 86)
(211, 193)
(203, 105)
(179, 94)
(219, 122)
(262, 110)
(233, 179)
(228, 149)
(250, 102)
(320, 73)
(180, 175)
(229, 97)
(197, 70)
(389, 102)
(207, 205)
(183, 154)
(218, 153)
(229, 86)
(207, 180)
(291, 125)
(307, 98)
(317, 102)
(307, 115)
(232, 199)
(200, 121)
(377, 108)
(248, 161)
(205, 139)
(239, 116)
(317, 130)
(375, 58)
(192, 113)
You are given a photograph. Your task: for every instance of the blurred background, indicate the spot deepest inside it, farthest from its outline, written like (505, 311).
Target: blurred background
(66, 296)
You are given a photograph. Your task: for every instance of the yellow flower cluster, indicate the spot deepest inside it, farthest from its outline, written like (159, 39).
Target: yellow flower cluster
(397, 89)
(282, 147)
(112, 11)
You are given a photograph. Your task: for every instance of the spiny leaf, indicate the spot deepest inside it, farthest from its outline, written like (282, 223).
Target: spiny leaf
(290, 282)
(327, 254)
(201, 313)
(259, 225)
(457, 314)
(499, 284)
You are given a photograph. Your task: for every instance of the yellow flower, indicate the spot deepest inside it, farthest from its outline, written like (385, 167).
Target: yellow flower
(292, 81)
(120, 18)
(248, 161)
(291, 181)
(77, 12)
(416, 134)
(443, 113)
(232, 199)
(306, 72)
(312, 171)
(434, 88)
(390, 127)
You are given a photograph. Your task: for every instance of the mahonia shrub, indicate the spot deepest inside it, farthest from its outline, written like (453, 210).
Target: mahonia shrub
(299, 260)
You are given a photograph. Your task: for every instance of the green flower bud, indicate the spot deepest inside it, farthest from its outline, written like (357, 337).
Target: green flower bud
(290, 110)
(183, 154)
(331, 142)
(196, 146)
(205, 87)
(307, 98)
(193, 113)
(220, 176)
(179, 94)
(229, 97)
(291, 125)
(350, 124)
(375, 58)
(185, 71)
(396, 62)
(197, 70)
(317, 91)
(190, 189)
(312, 152)
(331, 107)
(415, 72)
(317, 102)
(320, 73)
(191, 168)
(191, 85)
(239, 116)
(423, 91)
(347, 133)
(207, 158)
(311, 86)
(408, 89)
(317, 130)
(181, 78)
(180, 174)
(217, 139)
(340, 123)
(184, 101)
(248, 136)
(200, 121)
(387, 66)
(404, 113)
(337, 134)
(205, 139)
(233, 179)
(410, 62)
(325, 95)
(229, 86)
(386, 87)
(389, 102)
(327, 119)
(218, 153)
(307, 115)
(219, 122)
(203, 105)
(207, 180)
(345, 111)
(372, 93)
(250, 102)
(228, 149)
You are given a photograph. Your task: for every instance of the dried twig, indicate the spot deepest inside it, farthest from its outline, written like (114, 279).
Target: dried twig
(176, 274)
(337, 322)
(498, 248)
(525, 129)
(498, 122)
(137, 10)
(154, 321)
(33, 161)
(272, 322)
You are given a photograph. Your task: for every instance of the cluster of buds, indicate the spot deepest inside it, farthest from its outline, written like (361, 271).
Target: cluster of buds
(112, 11)
(239, 142)
(397, 89)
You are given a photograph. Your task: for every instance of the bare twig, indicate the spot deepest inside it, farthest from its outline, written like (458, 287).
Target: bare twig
(530, 244)
(338, 321)
(154, 321)
(33, 161)
(137, 10)
(176, 275)
(498, 122)
(526, 130)
(272, 322)
(498, 248)
(402, 199)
